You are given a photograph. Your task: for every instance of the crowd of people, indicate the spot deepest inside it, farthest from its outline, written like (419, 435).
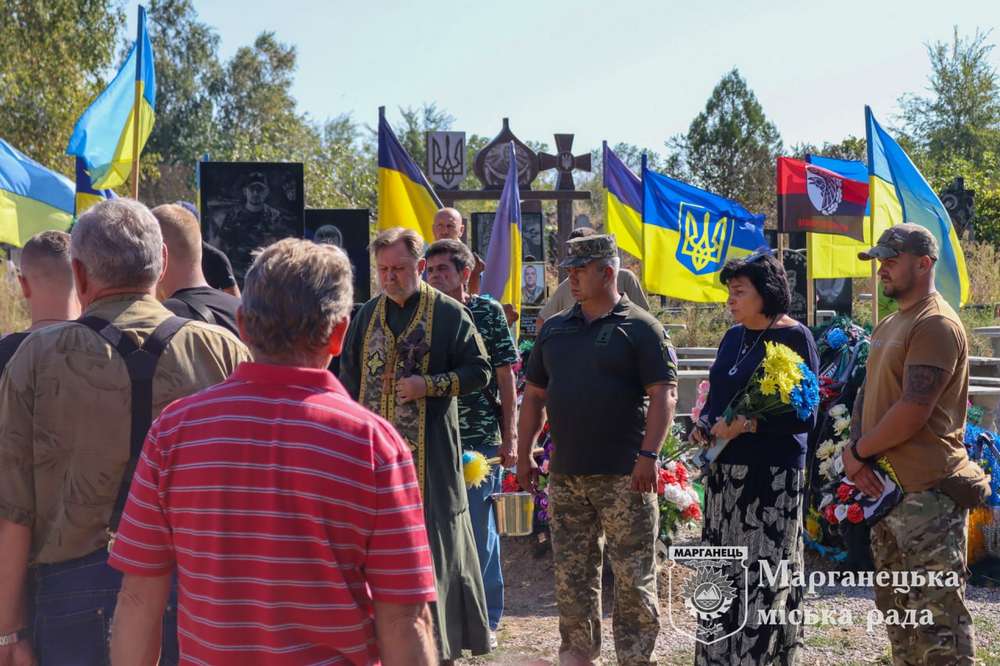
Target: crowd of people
(183, 479)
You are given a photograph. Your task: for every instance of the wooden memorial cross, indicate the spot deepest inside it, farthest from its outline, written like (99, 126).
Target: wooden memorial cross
(564, 161)
(564, 195)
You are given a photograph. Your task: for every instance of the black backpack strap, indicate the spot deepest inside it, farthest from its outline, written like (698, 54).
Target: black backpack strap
(141, 364)
(10, 344)
(201, 312)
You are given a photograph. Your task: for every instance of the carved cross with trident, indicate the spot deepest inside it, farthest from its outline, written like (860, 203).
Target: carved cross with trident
(564, 161)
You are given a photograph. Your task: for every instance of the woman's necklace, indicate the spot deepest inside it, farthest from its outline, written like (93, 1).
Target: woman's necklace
(742, 353)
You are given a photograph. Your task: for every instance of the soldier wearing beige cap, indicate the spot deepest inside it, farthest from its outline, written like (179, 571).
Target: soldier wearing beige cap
(911, 412)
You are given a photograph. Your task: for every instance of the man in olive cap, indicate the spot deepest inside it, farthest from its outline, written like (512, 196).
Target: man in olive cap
(911, 411)
(602, 481)
(253, 224)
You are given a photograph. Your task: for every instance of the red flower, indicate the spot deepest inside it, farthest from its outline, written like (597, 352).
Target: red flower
(855, 513)
(692, 512)
(510, 484)
(829, 514)
(663, 480)
(682, 474)
(844, 492)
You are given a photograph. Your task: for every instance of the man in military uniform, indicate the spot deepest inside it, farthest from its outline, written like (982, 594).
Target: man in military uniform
(71, 430)
(408, 354)
(603, 473)
(486, 418)
(254, 223)
(912, 412)
(562, 298)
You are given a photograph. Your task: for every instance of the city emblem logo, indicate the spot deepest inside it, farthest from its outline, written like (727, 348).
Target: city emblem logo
(715, 591)
(704, 241)
(825, 190)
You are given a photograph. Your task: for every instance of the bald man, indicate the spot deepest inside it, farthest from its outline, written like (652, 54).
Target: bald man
(46, 279)
(183, 288)
(448, 224)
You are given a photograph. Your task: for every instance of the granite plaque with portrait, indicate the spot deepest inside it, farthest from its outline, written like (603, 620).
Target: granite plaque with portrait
(346, 228)
(532, 247)
(532, 283)
(795, 270)
(249, 205)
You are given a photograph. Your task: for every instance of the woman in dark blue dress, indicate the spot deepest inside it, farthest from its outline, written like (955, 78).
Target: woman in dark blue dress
(753, 490)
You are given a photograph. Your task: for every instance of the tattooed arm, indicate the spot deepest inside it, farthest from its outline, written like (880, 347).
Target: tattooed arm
(922, 387)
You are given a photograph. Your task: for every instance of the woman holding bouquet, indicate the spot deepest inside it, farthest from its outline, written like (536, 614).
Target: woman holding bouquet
(753, 489)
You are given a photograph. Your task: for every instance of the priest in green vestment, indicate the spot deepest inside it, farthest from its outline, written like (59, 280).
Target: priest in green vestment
(408, 353)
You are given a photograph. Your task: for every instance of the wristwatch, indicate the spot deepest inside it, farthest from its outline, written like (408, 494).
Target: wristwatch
(648, 454)
(7, 640)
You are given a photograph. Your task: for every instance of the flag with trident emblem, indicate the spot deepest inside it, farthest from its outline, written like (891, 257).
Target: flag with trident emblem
(689, 235)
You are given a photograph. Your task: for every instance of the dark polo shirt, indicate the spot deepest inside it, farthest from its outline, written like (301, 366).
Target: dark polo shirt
(595, 376)
(205, 304)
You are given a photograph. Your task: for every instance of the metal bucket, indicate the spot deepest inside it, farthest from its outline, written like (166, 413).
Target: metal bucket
(515, 513)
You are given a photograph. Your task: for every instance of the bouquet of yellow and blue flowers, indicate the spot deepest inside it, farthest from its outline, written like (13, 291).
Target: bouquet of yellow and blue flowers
(781, 384)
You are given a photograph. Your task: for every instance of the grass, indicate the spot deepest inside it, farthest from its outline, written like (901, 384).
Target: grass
(13, 313)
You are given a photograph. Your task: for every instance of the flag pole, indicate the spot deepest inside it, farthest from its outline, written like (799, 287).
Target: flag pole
(874, 271)
(137, 96)
(642, 220)
(810, 291)
(873, 208)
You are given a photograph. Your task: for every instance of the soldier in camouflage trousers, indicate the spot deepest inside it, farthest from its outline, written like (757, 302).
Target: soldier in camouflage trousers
(910, 417)
(593, 367)
(925, 532)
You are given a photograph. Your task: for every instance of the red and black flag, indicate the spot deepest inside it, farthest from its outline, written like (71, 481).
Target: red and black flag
(811, 198)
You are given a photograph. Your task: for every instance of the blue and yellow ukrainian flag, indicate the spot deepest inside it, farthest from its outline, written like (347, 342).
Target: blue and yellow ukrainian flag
(502, 275)
(689, 235)
(32, 198)
(86, 195)
(624, 203)
(405, 198)
(105, 135)
(899, 193)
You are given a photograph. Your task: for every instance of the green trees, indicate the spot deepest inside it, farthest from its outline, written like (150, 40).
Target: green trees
(54, 56)
(731, 146)
(189, 78)
(954, 129)
(961, 114)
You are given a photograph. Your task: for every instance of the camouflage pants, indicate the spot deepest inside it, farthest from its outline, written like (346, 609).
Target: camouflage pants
(925, 532)
(586, 510)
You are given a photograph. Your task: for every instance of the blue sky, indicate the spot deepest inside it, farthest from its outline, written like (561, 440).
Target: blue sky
(623, 71)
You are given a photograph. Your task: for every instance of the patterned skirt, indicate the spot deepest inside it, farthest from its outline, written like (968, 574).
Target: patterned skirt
(760, 508)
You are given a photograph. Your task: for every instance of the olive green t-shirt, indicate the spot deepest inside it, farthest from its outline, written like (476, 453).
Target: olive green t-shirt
(65, 416)
(595, 375)
(927, 333)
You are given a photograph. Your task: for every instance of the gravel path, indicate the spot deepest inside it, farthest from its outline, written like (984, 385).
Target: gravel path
(529, 635)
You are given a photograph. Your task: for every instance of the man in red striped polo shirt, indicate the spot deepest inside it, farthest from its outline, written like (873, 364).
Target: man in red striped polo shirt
(291, 515)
